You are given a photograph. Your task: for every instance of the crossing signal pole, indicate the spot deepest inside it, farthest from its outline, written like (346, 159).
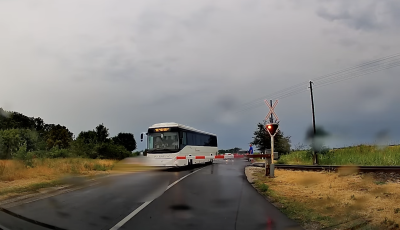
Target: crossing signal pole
(272, 129)
(271, 119)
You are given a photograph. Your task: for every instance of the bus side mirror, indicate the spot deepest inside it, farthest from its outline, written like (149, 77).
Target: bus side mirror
(141, 137)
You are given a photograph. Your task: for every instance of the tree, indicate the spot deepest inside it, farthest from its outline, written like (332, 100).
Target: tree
(262, 140)
(96, 136)
(125, 139)
(101, 133)
(9, 143)
(14, 120)
(39, 124)
(59, 136)
(29, 138)
(11, 140)
(282, 143)
(88, 137)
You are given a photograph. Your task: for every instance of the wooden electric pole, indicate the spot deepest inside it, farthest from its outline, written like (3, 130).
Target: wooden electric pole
(315, 157)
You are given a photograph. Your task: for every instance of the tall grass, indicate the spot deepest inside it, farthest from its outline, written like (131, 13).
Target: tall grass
(11, 170)
(296, 158)
(356, 155)
(362, 155)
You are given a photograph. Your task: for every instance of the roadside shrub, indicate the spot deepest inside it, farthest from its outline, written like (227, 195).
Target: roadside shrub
(262, 187)
(11, 141)
(111, 151)
(59, 153)
(99, 167)
(81, 149)
(280, 161)
(106, 150)
(25, 156)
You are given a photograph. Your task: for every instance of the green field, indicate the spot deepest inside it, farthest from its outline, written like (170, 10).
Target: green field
(357, 155)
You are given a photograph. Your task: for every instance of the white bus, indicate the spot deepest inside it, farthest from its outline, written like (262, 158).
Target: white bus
(166, 141)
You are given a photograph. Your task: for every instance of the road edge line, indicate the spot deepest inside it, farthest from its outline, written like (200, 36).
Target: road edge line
(141, 207)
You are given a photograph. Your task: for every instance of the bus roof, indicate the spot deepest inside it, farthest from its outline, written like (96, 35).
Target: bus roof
(173, 124)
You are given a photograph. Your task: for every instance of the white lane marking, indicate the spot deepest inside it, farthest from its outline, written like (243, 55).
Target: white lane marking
(141, 207)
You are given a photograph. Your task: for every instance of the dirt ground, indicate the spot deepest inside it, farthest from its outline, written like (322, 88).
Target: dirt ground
(343, 196)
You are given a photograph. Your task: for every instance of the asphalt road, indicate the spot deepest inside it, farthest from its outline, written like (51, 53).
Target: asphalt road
(216, 196)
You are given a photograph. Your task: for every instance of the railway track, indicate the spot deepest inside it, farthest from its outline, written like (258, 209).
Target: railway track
(335, 168)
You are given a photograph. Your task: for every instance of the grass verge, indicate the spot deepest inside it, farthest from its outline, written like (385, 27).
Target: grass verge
(31, 188)
(321, 200)
(356, 155)
(17, 178)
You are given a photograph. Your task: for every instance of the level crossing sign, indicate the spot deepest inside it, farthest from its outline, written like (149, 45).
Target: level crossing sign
(271, 112)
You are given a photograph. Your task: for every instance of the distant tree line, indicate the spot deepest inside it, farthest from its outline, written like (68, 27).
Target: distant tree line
(233, 150)
(23, 137)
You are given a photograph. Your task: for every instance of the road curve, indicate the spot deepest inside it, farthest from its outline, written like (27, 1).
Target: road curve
(216, 196)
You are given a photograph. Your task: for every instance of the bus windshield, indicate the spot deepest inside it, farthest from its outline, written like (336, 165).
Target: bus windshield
(163, 141)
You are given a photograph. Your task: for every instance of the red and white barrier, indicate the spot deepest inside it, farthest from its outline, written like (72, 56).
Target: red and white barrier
(210, 157)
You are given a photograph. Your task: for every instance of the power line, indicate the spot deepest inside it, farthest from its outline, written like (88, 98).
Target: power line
(357, 71)
(393, 65)
(261, 102)
(359, 65)
(379, 64)
(298, 91)
(292, 94)
(273, 94)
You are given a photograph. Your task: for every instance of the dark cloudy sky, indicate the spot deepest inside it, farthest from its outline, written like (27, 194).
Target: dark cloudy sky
(130, 64)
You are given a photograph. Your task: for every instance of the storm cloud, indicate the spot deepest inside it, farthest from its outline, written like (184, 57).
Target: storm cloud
(366, 15)
(130, 64)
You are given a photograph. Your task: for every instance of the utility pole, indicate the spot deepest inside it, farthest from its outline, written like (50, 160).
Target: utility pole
(315, 158)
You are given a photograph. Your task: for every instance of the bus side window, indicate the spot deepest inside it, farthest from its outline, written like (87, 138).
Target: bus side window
(184, 140)
(191, 139)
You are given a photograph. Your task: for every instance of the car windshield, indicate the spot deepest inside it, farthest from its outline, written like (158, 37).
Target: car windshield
(165, 140)
(163, 114)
